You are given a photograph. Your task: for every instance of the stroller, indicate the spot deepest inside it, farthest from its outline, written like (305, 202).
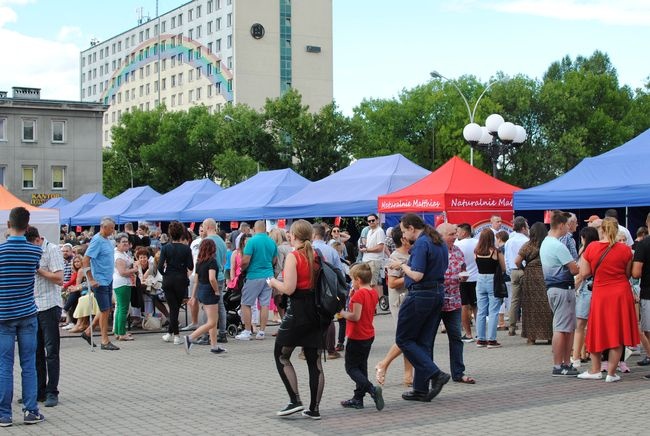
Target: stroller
(232, 304)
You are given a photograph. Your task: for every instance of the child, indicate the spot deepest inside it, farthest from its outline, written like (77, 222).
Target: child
(361, 334)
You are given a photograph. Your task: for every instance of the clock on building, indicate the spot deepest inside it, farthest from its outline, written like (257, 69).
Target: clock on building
(257, 31)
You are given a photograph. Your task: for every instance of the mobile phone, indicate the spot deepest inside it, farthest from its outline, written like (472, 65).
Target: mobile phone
(268, 281)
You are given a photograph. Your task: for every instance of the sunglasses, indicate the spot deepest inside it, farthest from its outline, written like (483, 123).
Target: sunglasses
(372, 220)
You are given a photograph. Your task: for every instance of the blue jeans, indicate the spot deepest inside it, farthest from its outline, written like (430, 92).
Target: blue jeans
(415, 331)
(488, 305)
(453, 327)
(25, 330)
(222, 309)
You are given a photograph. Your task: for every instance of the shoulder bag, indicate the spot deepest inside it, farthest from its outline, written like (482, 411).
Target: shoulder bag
(499, 289)
(590, 286)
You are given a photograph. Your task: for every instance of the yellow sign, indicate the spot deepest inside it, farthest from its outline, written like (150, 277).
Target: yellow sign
(38, 199)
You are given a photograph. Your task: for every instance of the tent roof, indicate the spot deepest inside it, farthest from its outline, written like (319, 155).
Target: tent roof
(353, 191)
(616, 178)
(80, 205)
(56, 203)
(47, 220)
(249, 199)
(127, 201)
(8, 201)
(168, 207)
(455, 185)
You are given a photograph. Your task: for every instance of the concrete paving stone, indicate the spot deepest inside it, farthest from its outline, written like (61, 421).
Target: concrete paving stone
(152, 387)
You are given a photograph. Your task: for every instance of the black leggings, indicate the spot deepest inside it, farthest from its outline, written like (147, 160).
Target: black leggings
(282, 354)
(71, 304)
(175, 287)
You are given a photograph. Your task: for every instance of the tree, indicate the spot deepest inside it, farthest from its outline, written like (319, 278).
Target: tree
(234, 167)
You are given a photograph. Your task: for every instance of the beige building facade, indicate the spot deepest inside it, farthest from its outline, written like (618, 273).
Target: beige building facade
(212, 53)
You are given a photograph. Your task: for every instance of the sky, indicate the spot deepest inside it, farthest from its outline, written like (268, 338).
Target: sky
(380, 46)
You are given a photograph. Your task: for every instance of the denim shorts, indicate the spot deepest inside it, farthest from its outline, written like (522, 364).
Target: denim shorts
(104, 297)
(206, 294)
(583, 303)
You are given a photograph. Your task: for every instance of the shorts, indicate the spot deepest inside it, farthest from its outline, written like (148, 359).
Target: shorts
(104, 297)
(644, 311)
(206, 294)
(563, 306)
(256, 289)
(375, 267)
(583, 303)
(468, 293)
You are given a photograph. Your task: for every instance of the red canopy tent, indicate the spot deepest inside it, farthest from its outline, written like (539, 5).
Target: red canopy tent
(462, 192)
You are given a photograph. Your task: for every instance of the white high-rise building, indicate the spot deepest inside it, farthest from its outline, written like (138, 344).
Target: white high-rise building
(213, 52)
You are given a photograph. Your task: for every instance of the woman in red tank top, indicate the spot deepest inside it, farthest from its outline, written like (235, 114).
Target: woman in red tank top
(300, 326)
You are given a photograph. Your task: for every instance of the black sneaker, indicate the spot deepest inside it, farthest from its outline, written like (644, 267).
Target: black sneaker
(218, 350)
(291, 409)
(378, 397)
(436, 384)
(564, 371)
(311, 414)
(222, 339)
(352, 403)
(51, 400)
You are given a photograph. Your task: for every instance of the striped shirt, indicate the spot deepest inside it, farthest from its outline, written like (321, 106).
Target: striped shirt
(18, 264)
(46, 293)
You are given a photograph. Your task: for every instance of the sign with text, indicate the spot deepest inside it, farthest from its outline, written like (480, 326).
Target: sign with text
(38, 199)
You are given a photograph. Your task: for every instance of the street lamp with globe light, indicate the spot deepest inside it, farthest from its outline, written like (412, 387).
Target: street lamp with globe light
(494, 138)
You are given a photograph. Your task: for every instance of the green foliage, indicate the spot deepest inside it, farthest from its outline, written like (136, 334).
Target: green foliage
(234, 167)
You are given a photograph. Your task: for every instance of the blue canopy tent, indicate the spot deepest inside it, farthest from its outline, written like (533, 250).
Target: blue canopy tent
(169, 206)
(127, 201)
(617, 178)
(55, 203)
(353, 191)
(79, 206)
(248, 200)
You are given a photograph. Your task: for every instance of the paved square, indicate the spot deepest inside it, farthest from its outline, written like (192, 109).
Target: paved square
(152, 387)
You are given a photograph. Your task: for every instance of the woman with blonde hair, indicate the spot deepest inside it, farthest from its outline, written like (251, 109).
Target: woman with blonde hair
(300, 326)
(612, 320)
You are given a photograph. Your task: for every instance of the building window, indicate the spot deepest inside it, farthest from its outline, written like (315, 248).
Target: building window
(190, 96)
(229, 41)
(2, 176)
(58, 177)
(190, 15)
(3, 129)
(209, 27)
(218, 45)
(173, 22)
(58, 131)
(229, 85)
(198, 31)
(209, 6)
(180, 98)
(229, 20)
(198, 93)
(198, 11)
(190, 34)
(29, 130)
(29, 177)
(180, 19)
(230, 62)
(163, 26)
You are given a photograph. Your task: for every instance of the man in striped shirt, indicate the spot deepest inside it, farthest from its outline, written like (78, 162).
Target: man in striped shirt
(49, 278)
(19, 261)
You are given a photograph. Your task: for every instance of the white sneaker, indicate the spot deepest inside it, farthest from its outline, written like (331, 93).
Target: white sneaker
(260, 335)
(612, 378)
(589, 376)
(167, 337)
(189, 327)
(245, 335)
(68, 326)
(178, 340)
(576, 363)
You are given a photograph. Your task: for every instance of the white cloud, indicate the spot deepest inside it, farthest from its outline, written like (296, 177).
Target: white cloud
(50, 65)
(67, 33)
(614, 12)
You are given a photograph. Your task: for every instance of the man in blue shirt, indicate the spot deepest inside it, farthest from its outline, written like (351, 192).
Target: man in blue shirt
(559, 267)
(419, 314)
(260, 255)
(19, 262)
(98, 262)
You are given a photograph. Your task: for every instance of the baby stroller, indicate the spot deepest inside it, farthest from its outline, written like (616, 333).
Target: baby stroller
(232, 304)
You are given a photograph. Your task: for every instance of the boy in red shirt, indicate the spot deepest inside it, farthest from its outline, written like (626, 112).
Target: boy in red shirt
(360, 333)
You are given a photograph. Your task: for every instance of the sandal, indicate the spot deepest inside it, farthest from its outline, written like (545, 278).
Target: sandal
(466, 379)
(380, 374)
(125, 338)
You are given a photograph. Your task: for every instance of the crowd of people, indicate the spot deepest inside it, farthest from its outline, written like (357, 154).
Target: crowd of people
(580, 298)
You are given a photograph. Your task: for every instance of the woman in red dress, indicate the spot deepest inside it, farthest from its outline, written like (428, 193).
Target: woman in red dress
(612, 319)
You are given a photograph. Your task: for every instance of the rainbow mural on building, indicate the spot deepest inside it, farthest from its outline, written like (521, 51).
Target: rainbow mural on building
(183, 48)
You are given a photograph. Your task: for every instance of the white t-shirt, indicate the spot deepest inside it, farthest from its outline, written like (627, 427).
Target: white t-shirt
(375, 237)
(118, 279)
(467, 246)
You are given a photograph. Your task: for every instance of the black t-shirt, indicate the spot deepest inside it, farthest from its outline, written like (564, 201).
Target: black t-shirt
(177, 257)
(203, 268)
(642, 254)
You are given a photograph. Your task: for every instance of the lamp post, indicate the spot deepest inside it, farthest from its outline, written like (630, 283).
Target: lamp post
(470, 112)
(494, 138)
(126, 159)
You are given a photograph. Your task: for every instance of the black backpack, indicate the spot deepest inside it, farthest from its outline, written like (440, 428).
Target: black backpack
(330, 290)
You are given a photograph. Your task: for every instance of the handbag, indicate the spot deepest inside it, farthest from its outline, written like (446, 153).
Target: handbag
(499, 289)
(151, 322)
